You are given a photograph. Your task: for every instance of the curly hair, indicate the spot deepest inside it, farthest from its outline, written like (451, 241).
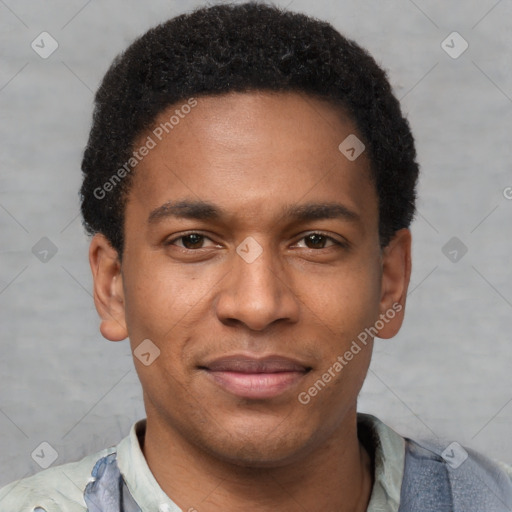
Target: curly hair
(240, 48)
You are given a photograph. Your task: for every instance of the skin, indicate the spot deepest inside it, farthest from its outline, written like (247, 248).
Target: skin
(253, 154)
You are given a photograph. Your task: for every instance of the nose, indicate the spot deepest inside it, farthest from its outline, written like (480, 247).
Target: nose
(257, 293)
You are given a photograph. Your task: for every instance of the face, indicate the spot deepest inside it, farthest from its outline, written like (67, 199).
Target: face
(252, 264)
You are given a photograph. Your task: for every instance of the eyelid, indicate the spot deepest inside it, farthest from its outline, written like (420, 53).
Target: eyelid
(172, 240)
(341, 243)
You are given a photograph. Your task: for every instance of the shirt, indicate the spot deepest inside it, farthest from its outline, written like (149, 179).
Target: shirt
(62, 488)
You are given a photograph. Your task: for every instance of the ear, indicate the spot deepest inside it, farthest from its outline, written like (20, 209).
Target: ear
(108, 288)
(396, 273)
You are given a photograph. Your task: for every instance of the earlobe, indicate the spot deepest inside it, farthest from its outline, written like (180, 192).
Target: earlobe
(396, 273)
(108, 288)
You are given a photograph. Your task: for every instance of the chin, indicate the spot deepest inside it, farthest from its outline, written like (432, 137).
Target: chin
(265, 448)
(257, 456)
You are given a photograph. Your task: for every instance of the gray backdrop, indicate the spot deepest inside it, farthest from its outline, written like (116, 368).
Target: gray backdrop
(446, 374)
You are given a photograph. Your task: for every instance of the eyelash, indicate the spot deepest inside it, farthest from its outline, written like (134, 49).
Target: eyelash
(329, 238)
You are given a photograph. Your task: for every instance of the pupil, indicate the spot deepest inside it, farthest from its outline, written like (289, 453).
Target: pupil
(192, 240)
(316, 240)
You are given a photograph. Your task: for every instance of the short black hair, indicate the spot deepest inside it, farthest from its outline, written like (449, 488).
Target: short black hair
(240, 48)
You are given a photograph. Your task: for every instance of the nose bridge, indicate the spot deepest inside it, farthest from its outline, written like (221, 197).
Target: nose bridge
(256, 292)
(258, 274)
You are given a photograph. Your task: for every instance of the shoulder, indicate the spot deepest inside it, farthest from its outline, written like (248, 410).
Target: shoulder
(454, 456)
(432, 474)
(448, 473)
(57, 489)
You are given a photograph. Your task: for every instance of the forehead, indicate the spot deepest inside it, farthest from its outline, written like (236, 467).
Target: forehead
(245, 150)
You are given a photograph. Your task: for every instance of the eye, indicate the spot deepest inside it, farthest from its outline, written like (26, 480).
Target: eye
(190, 241)
(319, 241)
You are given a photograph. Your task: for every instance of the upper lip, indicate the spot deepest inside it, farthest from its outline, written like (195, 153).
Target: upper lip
(249, 364)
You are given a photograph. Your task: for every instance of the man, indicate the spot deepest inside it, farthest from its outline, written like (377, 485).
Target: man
(249, 182)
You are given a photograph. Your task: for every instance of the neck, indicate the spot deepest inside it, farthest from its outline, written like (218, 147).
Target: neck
(336, 475)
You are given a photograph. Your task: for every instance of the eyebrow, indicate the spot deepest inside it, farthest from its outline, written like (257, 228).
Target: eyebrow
(199, 210)
(202, 210)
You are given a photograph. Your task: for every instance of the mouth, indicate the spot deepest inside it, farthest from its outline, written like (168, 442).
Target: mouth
(256, 378)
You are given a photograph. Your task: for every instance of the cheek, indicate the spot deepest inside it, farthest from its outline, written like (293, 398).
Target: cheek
(347, 302)
(160, 298)
(153, 301)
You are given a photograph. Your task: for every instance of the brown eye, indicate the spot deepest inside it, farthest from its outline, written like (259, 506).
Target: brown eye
(192, 241)
(320, 241)
(315, 241)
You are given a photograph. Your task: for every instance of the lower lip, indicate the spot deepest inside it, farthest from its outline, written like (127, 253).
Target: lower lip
(256, 385)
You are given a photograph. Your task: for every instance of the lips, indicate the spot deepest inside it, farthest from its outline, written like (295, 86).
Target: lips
(270, 364)
(255, 378)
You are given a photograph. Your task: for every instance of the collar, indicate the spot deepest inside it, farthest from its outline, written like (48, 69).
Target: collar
(387, 449)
